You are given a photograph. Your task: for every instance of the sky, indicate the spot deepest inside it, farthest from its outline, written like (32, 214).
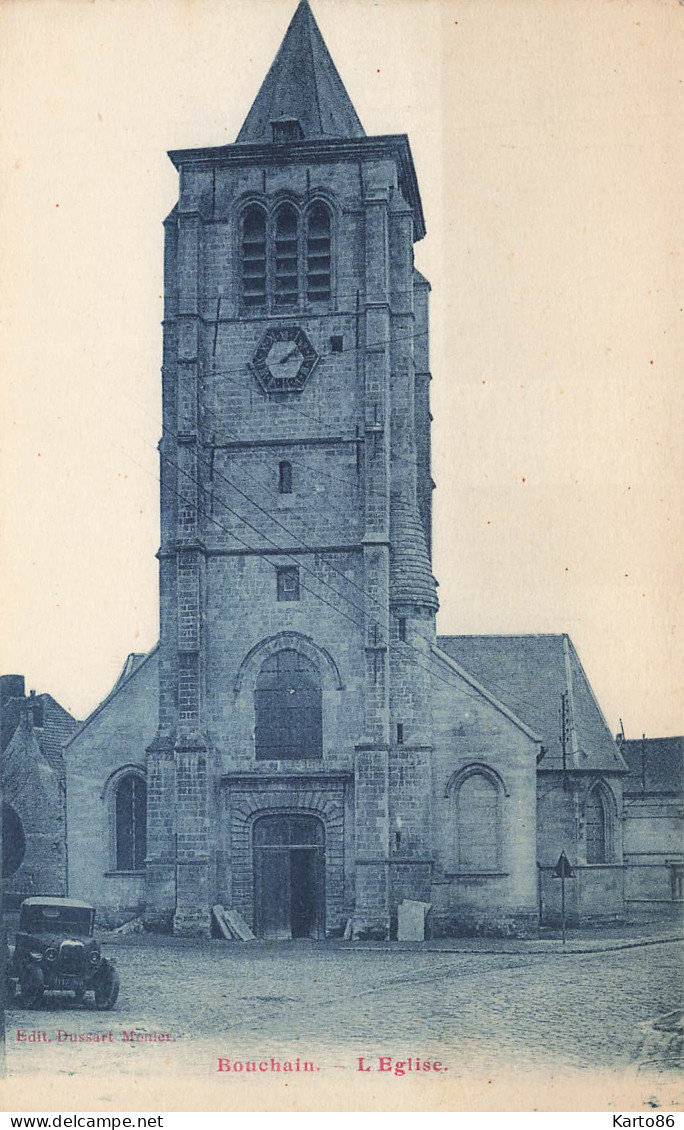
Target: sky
(548, 145)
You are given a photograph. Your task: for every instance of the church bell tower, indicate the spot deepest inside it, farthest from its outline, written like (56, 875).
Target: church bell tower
(290, 776)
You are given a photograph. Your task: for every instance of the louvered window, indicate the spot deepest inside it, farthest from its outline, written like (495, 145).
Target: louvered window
(254, 257)
(318, 254)
(286, 257)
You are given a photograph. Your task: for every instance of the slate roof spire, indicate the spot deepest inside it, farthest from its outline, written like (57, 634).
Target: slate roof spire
(302, 86)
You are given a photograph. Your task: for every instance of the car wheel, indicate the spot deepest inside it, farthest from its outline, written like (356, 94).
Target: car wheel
(107, 989)
(32, 985)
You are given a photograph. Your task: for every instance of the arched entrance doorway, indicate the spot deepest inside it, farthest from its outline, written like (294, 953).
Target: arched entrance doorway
(289, 876)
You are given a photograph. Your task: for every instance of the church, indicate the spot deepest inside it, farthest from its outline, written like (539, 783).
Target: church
(301, 746)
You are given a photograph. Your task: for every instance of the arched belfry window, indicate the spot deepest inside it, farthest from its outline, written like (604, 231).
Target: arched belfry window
(288, 708)
(318, 254)
(253, 257)
(476, 821)
(597, 827)
(286, 256)
(130, 814)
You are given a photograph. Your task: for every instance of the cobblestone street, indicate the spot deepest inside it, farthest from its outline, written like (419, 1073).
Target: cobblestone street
(329, 1003)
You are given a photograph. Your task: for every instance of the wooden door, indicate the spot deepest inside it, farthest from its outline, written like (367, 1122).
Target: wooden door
(289, 877)
(273, 893)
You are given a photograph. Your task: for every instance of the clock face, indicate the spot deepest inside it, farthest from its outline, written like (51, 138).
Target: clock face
(284, 359)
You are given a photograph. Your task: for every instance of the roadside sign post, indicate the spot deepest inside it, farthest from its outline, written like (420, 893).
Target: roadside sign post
(563, 871)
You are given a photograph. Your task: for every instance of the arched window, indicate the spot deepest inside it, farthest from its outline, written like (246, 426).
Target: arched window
(286, 257)
(130, 810)
(13, 841)
(254, 257)
(476, 797)
(318, 254)
(288, 708)
(285, 477)
(596, 827)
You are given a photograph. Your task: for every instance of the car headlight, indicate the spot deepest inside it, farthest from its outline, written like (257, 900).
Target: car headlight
(51, 954)
(94, 958)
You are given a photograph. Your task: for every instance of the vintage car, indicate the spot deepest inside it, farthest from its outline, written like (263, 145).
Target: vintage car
(55, 950)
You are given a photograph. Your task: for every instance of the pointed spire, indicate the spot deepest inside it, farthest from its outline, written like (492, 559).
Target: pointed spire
(302, 87)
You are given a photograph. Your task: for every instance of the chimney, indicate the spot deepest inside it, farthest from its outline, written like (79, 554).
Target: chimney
(11, 702)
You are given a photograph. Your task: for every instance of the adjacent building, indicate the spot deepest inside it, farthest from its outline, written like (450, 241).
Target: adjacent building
(654, 821)
(33, 729)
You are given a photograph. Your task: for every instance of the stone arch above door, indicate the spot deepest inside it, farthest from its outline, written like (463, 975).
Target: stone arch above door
(247, 798)
(288, 853)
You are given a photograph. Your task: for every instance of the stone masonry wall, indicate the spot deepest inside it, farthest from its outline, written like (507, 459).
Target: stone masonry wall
(471, 731)
(114, 739)
(598, 891)
(246, 529)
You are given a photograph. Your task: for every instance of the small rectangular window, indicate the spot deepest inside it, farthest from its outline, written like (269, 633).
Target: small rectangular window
(288, 582)
(336, 344)
(402, 629)
(285, 477)
(400, 733)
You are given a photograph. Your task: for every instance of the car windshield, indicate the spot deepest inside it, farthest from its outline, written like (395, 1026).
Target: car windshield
(56, 920)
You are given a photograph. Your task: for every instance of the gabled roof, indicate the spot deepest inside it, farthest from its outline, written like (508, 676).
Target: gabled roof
(134, 662)
(302, 84)
(58, 726)
(441, 654)
(529, 674)
(656, 765)
(42, 728)
(23, 759)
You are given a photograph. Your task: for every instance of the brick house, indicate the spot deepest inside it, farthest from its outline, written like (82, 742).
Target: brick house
(654, 821)
(301, 746)
(33, 729)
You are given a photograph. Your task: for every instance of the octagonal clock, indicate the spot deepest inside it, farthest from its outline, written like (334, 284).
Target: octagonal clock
(284, 359)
